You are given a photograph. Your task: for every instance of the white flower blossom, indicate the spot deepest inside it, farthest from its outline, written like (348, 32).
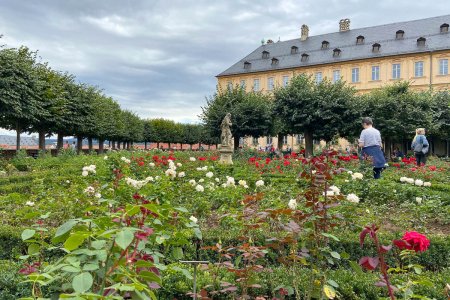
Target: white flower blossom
(199, 188)
(427, 184)
(403, 179)
(151, 164)
(192, 159)
(149, 179)
(313, 171)
(90, 191)
(292, 204)
(171, 173)
(242, 182)
(350, 172)
(259, 183)
(126, 160)
(328, 193)
(335, 190)
(157, 177)
(29, 203)
(193, 219)
(98, 195)
(209, 174)
(418, 200)
(418, 182)
(217, 179)
(192, 182)
(135, 183)
(357, 175)
(410, 180)
(179, 165)
(353, 198)
(201, 180)
(199, 169)
(230, 181)
(67, 181)
(105, 157)
(205, 168)
(181, 174)
(84, 173)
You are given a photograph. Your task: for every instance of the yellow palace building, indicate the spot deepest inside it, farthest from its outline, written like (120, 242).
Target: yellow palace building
(366, 58)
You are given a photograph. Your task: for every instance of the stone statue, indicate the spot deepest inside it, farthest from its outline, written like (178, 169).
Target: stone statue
(226, 137)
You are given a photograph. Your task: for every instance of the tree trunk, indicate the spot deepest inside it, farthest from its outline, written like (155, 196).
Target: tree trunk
(113, 145)
(387, 148)
(91, 147)
(128, 145)
(280, 142)
(79, 144)
(145, 145)
(170, 145)
(181, 146)
(100, 145)
(60, 141)
(236, 142)
(157, 145)
(309, 147)
(42, 140)
(199, 146)
(209, 147)
(124, 145)
(448, 147)
(190, 147)
(109, 144)
(17, 137)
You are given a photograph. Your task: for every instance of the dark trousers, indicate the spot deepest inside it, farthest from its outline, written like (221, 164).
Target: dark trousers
(420, 158)
(377, 173)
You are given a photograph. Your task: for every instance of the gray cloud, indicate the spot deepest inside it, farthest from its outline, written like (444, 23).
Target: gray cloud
(159, 58)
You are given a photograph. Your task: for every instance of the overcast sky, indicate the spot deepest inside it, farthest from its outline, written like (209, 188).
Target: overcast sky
(159, 58)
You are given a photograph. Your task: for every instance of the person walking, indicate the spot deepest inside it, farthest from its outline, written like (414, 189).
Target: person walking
(420, 147)
(370, 142)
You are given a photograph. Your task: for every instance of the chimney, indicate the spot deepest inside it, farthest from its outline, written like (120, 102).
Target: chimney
(344, 25)
(305, 32)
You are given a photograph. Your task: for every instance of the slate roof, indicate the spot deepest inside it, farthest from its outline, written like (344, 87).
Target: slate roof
(385, 35)
(24, 141)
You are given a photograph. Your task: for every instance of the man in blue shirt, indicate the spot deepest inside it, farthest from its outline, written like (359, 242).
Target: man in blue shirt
(370, 142)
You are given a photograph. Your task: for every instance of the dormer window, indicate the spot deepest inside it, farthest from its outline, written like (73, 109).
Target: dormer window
(336, 52)
(444, 28)
(421, 41)
(325, 44)
(376, 47)
(265, 54)
(247, 65)
(399, 34)
(274, 61)
(360, 40)
(304, 57)
(294, 50)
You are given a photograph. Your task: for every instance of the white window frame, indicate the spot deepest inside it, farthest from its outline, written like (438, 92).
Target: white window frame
(256, 85)
(285, 80)
(229, 85)
(336, 75)
(270, 83)
(285, 140)
(396, 71)
(418, 69)
(355, 75)
(443, 66)
(269, 140)
(299, 139)
(319, 77)
(243, 84)
(375, 73)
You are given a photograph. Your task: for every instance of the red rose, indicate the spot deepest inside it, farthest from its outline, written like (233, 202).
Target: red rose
(418, 241)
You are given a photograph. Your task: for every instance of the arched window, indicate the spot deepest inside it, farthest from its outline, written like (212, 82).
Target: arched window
(265, 54)
(444, 28)
(336, 52)
(360, 40)
(325, 44)
(247, 65)
(376, 47)
(274, 61)
(399, 34)
(294, 50)
(421, 41)
(304, 57)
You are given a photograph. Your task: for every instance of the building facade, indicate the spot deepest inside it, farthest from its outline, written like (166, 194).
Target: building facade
(366, 58)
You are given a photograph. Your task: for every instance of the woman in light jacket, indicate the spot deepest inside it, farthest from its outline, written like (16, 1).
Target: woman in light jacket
(420, 146)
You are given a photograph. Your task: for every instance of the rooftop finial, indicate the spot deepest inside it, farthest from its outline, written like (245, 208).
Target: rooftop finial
(304, 32)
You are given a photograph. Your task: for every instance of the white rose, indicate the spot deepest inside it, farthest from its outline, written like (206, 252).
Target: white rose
(419, 200)
(242, 182)
(151, 164)
(335, 190)
(328, 193)
(357, 175)
(353, 198)
(192, 182)
(85, 173)
(181, 174)
(201, 180)
(418, 182)
(179, 165)
(217, 179)
(199, 188)
(193, 219)
(427, 184)
(292, 204)
(209, 174)
(29, 203)
(403, 179)
(410, 180)
(98, 195)
(192, 159)
(105, 157)
(313, 171)
(259, 183)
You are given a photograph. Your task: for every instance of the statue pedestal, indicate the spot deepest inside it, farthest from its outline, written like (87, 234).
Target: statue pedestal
(226, 155)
